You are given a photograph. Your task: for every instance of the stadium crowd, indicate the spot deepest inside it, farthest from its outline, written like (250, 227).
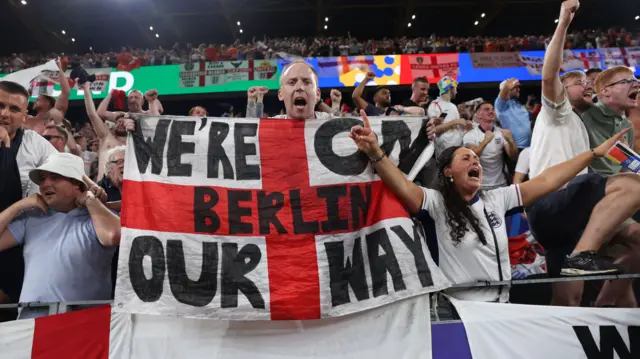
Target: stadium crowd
(321, 47)
(60, 187)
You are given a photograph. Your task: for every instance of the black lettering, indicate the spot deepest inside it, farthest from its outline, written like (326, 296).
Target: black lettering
(152, 148)
(203, 122)
(243, 149)
(205, 219)
(177, 148)
(415, 246)
(393, 131)
(342, 275)
(351, 165)
(299, 225)
(216, 155)
(236, 226)
(382, 263)
(359, 205)
(268, 207)
(196, 293)
(610, 341)
(332, 197)
(235, 266)
(148, 290)
(408, 156)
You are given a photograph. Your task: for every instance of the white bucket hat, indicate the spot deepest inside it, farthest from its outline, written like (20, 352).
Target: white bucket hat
(63, 164)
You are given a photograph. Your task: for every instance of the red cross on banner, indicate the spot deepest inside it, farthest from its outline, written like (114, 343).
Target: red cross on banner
(264, 219)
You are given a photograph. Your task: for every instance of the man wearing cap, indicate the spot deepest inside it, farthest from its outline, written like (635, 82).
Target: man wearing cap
(452, 129)
(69, 236)
(512, 115)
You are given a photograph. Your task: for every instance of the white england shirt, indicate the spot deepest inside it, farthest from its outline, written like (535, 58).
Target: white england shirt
(470, 261)
(558, 136)
(491, 158)
(453, 137)
(32, 153)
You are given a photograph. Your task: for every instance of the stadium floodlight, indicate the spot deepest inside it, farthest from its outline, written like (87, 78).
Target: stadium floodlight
(23, 2)
(238, 23)
(409, 25)
(90, 48)
(637, 17)
(483, 15)
(413, 17)
(73, 39)
(157, 35)
(64, 32)
(241, 31)
(150, 28)
(555, 21)
(326, 19)
(326, 27)
(476, 23)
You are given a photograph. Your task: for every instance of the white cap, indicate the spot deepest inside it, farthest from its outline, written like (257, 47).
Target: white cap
(64, 164)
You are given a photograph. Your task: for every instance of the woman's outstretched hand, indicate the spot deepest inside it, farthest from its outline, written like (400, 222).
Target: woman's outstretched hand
(365, 138)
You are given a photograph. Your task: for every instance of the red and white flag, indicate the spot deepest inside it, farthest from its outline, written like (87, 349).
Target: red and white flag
(434, 67)
(581, 60)
(249, 219)
(398, 330)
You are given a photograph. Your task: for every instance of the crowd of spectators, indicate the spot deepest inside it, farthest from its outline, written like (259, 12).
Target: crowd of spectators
(50, 169)
(267, 48)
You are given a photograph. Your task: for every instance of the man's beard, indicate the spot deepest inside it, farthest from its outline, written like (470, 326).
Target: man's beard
(120, 133)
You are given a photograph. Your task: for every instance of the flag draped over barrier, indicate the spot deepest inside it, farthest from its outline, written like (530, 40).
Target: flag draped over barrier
(245, 219)
(503, 331)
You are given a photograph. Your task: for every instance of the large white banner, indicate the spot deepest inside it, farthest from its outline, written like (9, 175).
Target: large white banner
(200, 74)
(246, 219)
(508, 331)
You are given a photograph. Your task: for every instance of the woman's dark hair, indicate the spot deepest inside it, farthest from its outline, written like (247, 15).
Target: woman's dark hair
(457, 210)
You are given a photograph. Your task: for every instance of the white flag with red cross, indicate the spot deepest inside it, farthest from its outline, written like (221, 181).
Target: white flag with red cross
(248, 219)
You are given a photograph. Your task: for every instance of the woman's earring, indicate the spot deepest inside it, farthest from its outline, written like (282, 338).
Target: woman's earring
(451, 179)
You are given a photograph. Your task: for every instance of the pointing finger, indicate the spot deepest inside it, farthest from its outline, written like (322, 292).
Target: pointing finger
(365, 119)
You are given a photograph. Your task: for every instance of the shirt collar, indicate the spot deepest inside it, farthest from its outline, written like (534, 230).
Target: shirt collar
(76, 212)
(606, 110)
(475, 199)
(482, 129)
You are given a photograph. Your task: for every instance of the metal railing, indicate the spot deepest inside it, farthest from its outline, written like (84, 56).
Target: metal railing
(63, 307)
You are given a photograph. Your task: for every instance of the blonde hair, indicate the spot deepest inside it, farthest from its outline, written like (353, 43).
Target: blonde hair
(604, 78)
(284, 69)
(571, 75)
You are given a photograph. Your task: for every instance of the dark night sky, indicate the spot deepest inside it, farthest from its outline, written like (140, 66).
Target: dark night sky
(109, 24)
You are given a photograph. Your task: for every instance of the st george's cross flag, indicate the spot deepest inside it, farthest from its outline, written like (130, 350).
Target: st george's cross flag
(272, 219)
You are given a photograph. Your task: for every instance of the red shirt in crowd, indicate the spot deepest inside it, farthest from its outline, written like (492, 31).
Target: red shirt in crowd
(212, 54)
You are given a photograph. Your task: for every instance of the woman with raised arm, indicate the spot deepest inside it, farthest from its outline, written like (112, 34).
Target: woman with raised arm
(469, 224)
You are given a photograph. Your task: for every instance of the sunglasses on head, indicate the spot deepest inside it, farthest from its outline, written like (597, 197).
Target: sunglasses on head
(49, 137)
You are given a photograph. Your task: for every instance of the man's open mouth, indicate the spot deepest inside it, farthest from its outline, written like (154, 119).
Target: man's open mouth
(48, 193)
(588, 93)
(300, 102)
(633, 95)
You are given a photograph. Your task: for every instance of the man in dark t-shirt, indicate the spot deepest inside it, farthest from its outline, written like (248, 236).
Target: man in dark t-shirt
(381, 98)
